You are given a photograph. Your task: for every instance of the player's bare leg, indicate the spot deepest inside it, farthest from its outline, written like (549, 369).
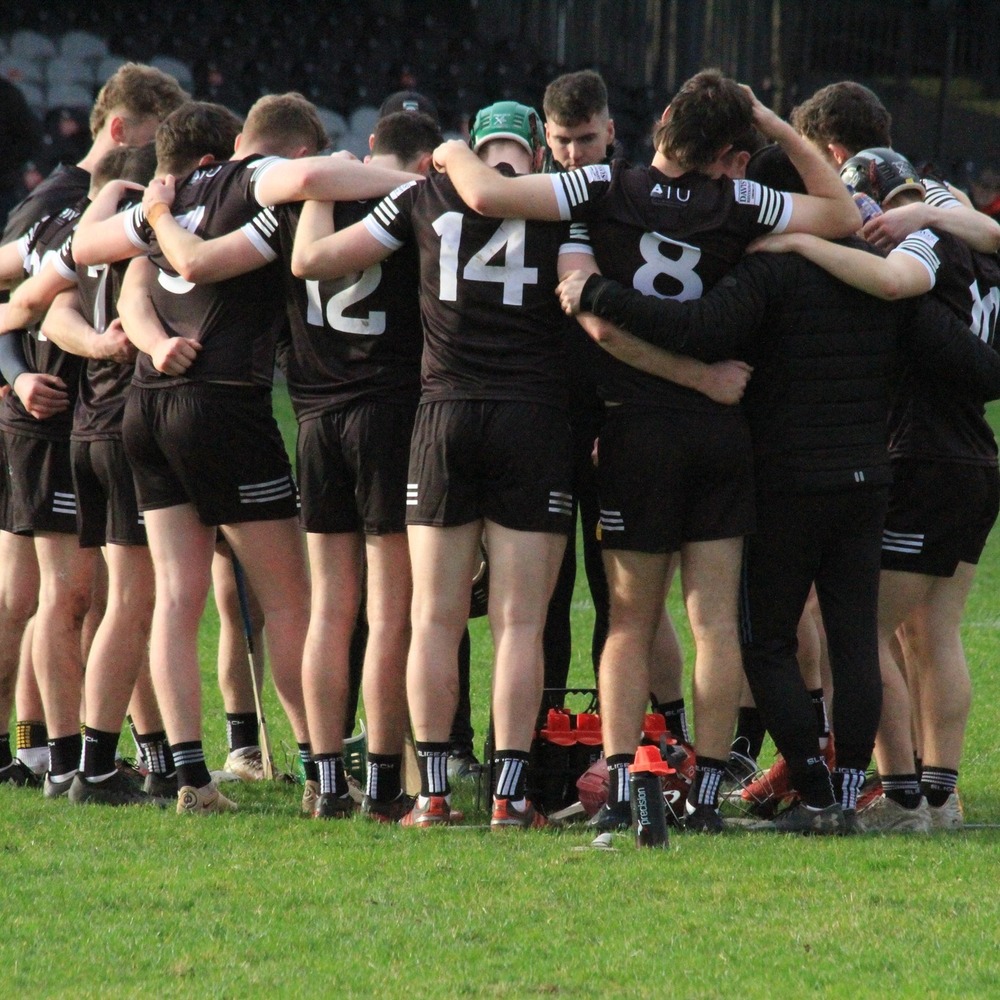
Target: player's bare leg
(944, 685)
(119, 646)
(335, 564)
(65, 584)
(899, 594)
(384, 679)
(523, 570)
(637, 583)
(273, 556)
(18, 600)
(181, 548)
(236, 680)
(710, 578)
(443, 562)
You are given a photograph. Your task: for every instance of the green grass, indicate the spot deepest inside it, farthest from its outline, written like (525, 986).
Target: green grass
(263, 903)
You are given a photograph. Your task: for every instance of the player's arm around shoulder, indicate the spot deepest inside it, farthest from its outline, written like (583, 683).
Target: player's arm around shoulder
(319, 252)
(104, 235)
(487, 192)
(325, 178)
(828, 209)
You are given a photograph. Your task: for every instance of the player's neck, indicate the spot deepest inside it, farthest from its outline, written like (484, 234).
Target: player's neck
(667, 166)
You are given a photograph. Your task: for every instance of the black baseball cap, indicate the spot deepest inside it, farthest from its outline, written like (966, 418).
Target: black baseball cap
(408, 100)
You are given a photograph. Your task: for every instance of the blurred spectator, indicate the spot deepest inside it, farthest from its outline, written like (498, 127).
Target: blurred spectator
(214, 82)
(66, 139)
(20, 138)
(985, 189)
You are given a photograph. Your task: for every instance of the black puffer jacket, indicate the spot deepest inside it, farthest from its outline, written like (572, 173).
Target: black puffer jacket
(823, 357)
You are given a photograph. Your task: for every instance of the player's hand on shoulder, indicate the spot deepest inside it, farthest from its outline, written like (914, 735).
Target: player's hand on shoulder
(888, 230)
(43, 396)
(175, 355)
(159, 191)
(445, 151)
(726, 381)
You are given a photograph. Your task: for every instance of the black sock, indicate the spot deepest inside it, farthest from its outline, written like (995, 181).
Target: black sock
(384, 772)
(191, 767)
(31, 735)
(309, 768)
(332, 777)
(6, 757)
(750, 732)
(510, 767)
(937, 783)
(847, 783)
(98, 757)
(618, 790)
(811, 780)
(676, 716)
(903, 789)
(432, 759)
(708, 773)
(64, 755)
(918, 766)
(819, 705)
(242, 730)
(155, 751)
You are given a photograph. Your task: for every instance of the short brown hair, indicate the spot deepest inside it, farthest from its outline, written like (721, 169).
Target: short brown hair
(194, 130)
(573, 98)
(138, 90)
(709, 113)
(283, 122)
(110, 166)
(846, 113)
(406, 135)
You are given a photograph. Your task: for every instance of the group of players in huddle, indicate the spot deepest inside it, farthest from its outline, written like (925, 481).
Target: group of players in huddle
(445, 404)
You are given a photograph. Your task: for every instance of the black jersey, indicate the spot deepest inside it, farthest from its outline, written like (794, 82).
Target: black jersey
(65, 186)
(927, 420)
(492, 324)
(672, 237)
(356, 337)
(41, 244)
(236, 321)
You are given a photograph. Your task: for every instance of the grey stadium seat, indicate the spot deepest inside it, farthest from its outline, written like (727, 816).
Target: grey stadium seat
(333, 123)
(178, 70)
(363, 119)
(69, 69)
(70, 95)
(19, 69)
(108, 66)
(31, 45)
(35, 96)
(82, 45)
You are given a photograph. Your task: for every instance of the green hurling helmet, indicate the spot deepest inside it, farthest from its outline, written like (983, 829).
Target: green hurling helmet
(508, 120)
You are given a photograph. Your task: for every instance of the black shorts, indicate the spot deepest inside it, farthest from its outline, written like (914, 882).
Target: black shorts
(40, 492)
(507, 461)
(352, 466)
(106, 509)
(214, 446)
(940, 514)
(667, 477)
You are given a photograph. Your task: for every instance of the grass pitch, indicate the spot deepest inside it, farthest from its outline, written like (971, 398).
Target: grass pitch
(122, 903)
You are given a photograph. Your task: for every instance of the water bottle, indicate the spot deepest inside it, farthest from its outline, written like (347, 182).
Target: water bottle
(649, 817)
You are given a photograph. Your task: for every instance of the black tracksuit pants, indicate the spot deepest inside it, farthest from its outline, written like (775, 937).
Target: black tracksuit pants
(834, 540)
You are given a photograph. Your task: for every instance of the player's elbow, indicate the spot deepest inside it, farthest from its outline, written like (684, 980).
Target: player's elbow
(484, 203)
(304, 264)
(86, 251)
